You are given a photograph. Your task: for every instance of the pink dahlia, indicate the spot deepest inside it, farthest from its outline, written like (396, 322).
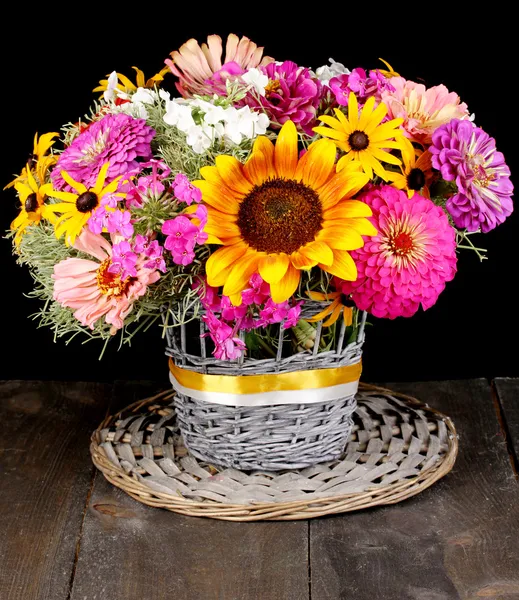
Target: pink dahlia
(410, 259)
(92, 290)
(467, 155)
(200, 69)
(118, 139)
(423, 109)
(292, 93)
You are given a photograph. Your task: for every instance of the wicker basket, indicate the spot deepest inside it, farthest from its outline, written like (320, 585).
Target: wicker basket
(271, 437)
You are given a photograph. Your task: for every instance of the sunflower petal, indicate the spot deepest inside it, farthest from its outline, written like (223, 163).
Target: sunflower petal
(285, 288)
(324, 313)
(366, 114)
(256, 168)
(347, 209)
(334, 316)
(343, 266)
(347, 315)
(231, 171)
(317, 165)
(222, 259)
(353, 111)
(318, 251)
(285, 152)
(331, 133)
(343, 185)
(273, 267)
(302, 262)
(338, 238)
(360, 225)
(240, 274)
(76, 185)
(220, 198)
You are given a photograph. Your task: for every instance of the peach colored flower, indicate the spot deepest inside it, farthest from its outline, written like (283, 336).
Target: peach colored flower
(196, 66)
(92, 291)
(423, 109)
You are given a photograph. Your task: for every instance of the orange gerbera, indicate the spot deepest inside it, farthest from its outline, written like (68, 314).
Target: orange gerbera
(277, 215)
(340, 304)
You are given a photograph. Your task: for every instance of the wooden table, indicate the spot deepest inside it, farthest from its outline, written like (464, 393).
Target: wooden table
(66, 534)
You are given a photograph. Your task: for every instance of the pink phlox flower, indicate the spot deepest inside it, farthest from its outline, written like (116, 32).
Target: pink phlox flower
(184, 256)
(148, 186)
(227, 345)
(123, 260)
(293, 314)
(362, 85)
(141, 244)
(110, 200)
(97, 221)
(257, 293)
(119, 221)
(231, 312)
(185, 191)
(208, 295)
(273, 313)
(155, 253)
(181, 233)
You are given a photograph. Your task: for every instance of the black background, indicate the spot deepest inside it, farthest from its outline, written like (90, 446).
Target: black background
(55, 59)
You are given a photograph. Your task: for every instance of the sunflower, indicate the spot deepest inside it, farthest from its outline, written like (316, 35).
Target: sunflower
(277, 215)
(416, 173)
(126, 85)
(362, 137)
(38, 160)
(341, 304)
(32, 197)
(77, 208)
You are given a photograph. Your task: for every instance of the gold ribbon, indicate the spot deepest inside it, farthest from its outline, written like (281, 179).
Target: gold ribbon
(270, 382)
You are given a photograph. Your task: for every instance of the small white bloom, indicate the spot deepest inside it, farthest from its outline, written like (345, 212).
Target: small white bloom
(213, 114)
(111, 87)
(327, 72)
(166, 96)
(145, 96)
(178, 115)
(200, 138)
(257, 80)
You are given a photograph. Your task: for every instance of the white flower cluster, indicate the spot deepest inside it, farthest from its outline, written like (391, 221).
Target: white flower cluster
(327, 72)
(204, 122)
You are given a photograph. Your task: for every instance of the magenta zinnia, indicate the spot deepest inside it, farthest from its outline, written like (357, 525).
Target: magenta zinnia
(467, 155)
(408, 263)
(118, 139)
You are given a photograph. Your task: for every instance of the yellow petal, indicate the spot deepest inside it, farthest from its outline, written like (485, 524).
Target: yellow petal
(353, 111)
(317, 165)
(347, 315)
(100, 181)
(256, 168)
(222, 259)
(334, 316)
(318, 251)
(127, 83)
(140, 80)
(300, 261)
(230, 169)
(76, 185)
(347, 209)
(266, 147)
(285, 152)
(285, 288)
(366, 113)
(343, 185)
(273, 267)
(220, 198)
(360, 225)
(339, 238)
(323, 313)
(240, 274)
(331, 133)
(343, 266)
(24, 191)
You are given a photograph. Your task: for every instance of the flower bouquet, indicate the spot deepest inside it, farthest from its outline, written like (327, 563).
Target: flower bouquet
(257, 216)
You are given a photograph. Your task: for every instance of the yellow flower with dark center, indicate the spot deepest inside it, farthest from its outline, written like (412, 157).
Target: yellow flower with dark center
(362, 136)
(340, 304)
(39, 161)
(126, 85)
(416, 173)
(32, 197)
(77, 208)
(277, 215)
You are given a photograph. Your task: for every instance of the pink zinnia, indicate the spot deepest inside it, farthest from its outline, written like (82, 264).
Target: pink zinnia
(92, 291)
(410, 259)
(423, 109)
(200, 69)
(117, 139)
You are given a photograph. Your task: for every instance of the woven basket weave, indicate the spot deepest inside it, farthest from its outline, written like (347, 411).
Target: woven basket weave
(284, 436)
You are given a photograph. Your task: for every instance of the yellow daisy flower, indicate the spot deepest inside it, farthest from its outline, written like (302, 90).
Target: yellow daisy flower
(39, 158)
(126, 85)
(277, 215)
(416, 173)
(362, 137)
(32, 197)
(77, 208)
(339, 305)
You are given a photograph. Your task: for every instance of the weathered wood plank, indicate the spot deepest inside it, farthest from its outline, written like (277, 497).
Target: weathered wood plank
(131, 551)
(458, 539)
(508, 392)
(46, 474)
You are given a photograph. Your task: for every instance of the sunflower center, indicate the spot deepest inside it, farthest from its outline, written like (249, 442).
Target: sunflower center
(31, 202)
(110, 284)
(416, 179)
(402, 244)
(86, 202)
(358, 140)
(280, 215)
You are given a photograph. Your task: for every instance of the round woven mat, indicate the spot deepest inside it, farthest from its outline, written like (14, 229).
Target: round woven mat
(398, 447)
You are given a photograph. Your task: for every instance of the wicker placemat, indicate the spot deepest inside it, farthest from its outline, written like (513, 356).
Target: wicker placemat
(398, 447)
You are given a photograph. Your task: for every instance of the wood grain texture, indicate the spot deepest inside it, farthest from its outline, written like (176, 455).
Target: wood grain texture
(129, 551)
(46, 473)
(508, 392)
(458, 539)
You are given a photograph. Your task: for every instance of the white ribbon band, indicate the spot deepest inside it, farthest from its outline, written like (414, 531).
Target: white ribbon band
(309, 396)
